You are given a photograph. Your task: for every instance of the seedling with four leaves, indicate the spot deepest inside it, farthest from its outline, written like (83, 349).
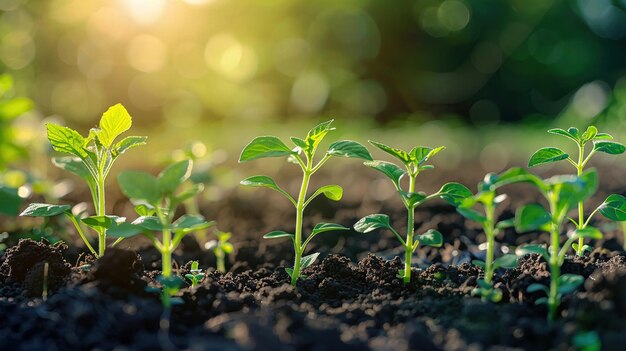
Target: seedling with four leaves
(601, 142)
(92, 159)
(414, 162)
(196, 274)
(303, 155)
(221, 247)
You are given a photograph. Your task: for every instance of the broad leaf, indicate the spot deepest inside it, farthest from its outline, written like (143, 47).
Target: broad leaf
(547, 155)
(45, 210)
(266, 182)
(471, 214)
(64, 139)
(102, 222)
(515, 175)
(188, 222)
(454, 193)
(412, 198)
(74, 165)
(430, 238)
(264, 146)
(124, 230)
(190, 192)
(327, 227)
(528, 249)
(589, 134)
(609, 147)
(588, 233)
(392, 171)
(128, 143)
(173, 176)
(299, 142)
(140, 186)
(564, 133)
(531, 217)
(372, 222)
(569, 283)
(151, 223)
(316, 134)
(614, 207)
(421, 154)
(507, 261)
(349, 148)
(308, 260)
(114, 122)
(397, 153)
(278, 234)
(333, 192)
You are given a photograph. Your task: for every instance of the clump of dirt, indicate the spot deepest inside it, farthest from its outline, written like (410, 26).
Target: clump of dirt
(119, 268)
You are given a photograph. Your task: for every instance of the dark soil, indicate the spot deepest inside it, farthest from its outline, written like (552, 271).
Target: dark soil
(350, 300)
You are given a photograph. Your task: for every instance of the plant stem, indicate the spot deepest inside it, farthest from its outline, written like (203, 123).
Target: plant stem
(299, 215)
(410, 231)
(80, 232)
(221, 267)
(555, 266)
(581, 208)
(166, 251)
(623, 224)
(490, 233)
(101, 211)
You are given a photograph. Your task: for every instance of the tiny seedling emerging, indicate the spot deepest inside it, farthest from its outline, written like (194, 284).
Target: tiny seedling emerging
(562, 193)
(602, 142)
(414, 162)
(303, 155)
(221, 247)
(92, 159)
(196, 274)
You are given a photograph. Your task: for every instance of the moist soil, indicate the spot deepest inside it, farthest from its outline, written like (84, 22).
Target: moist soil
(55, 297)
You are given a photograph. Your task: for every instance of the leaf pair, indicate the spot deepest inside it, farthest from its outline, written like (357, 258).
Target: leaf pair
(413, 160)
(377, 221)
(144, 186)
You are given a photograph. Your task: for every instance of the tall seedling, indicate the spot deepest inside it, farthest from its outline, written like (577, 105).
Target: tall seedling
(92, 158)
(414, 162)
(303, 155)
(601, 142)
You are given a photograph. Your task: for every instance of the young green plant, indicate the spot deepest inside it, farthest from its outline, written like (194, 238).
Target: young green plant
(563, 193)
(195, 275)
(601, 142)
(91, 159)
(303, 155)
(221, 247)
(488, 199)
(414, 162)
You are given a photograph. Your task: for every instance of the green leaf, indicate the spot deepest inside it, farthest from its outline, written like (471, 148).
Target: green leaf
(151, 223)
(479, 263)
(124, 230)
(173, 176)
(45, 210)
(227, 248)
(603, 136)
(507, 261)
(588, 233)
(140, 186)
(267, 182)
(397, 153)
(128, 143)
(412, 198)
(547, 155)
(114, 122)
(430, 238)
(190, 223)
(264, 146)
(589, 134)
(278, 234)
(10, 201)
(586, 248)
(564, 133)
(308, 260)
(514, 175)
(316, 134)
(289, 271)
(528, 249)
(454, 193)
(326, 227)
(372, 222)
(64, 139)
(541, 301)
(535, 287)
(569, 283)
(299, 142)
(145, 210)
(190, 192)
(531, 217)
(392, 171)
(333, 192)
(507, 223)
(74, 165)
(614, 208)
(350, 149)
(102, 222)
(421, 154)
(471, 214)
(609, 147)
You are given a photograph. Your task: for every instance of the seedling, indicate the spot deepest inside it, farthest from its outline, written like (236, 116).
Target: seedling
(562, 193)
(156, 200)
(196, 274)
(487, 198)
(221, 247)
(602, 142)
(414, 162)
(92, 159)
(303, 155)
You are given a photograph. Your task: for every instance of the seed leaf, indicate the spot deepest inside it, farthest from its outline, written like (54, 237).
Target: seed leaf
(454, 193)
(140, 186)
(531, 217)
(64, 139)
(397, 153)
(267, 182)
(350, 149)
(308, 260)
(372, 222)
(278, 234)
(326, 227)
(44, 210)
(569, 283)
(392, 171)
(614, 207)
(430, 238)
(264, 146)
(173, 176)
(609, 147)
(114, 122)
(547, 155)
(506, 261)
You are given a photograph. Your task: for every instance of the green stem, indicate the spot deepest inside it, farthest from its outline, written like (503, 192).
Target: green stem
(101, 211)
(221, 267)
(166, 244)
(410, 231)
(581, 208)
(299, 215)
(81, 233)
(555, 266)
(490, 233)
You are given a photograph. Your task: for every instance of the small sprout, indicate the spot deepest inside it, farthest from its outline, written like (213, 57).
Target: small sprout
(303, 155)
(601, 142)
(91, 159)
(221, 248)
(196, 274)
(562, 193)
(587, 341)
(414, 162)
